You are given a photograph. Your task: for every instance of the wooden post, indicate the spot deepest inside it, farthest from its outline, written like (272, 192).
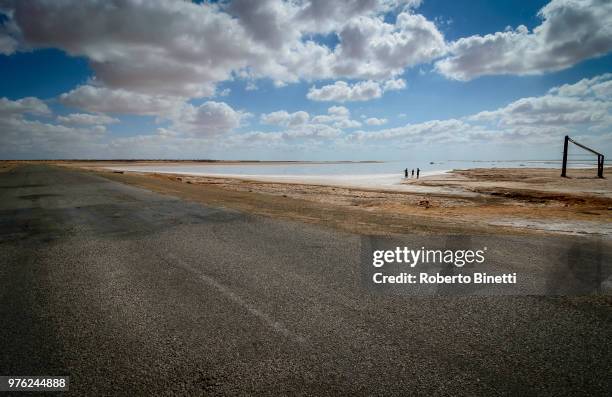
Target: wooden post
(600, 165)
(564, 166)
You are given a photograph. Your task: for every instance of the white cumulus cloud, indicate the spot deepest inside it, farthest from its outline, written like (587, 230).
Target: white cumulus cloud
(285, 119)
(8, 45)
(582, 109)
(105, 100)
(24, 137)
(571, 31)
(338, 116)
(184, 49)
(28, 105)
(86, 119)
(209, 118)
(341, 91)
(376, 121)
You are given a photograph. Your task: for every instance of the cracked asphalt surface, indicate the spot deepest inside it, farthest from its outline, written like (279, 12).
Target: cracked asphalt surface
(131, 292)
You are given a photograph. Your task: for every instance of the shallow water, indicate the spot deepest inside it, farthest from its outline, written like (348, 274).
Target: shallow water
(384, 175)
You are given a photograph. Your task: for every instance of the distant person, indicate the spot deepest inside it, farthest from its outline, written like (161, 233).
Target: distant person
(418, 172)
(406, 173)
(413, 172)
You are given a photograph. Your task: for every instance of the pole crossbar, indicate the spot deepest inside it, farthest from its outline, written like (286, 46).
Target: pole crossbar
(600, 157)
(584, 147)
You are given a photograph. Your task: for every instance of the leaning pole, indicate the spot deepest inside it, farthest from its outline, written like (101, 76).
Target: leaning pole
(564, 165)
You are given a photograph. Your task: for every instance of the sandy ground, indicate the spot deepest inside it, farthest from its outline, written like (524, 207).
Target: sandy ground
(6, 166)
(475, 200)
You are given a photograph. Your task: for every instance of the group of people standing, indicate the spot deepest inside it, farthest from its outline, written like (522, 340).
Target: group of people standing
(407, 174)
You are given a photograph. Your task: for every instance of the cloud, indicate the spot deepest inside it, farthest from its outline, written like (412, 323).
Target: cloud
(571, 31)
(184, 49)
(34, 139)
(8, 45)
(86, 119)
(209, 118)
(373, 49)
(375, 121)
(429, 130)
(312, 131)
(587, 102)
(277, 30)
(105, 100)
(547, 110)
(599, 87)
(394, 85)
(583, 109)
(338, 116)
(322, 16)
(339, 111)
(155, 47)
(23, 137)
(28, 105)
(300, 127)
(83, 135)
(341, 91)
(224, 92)
(285, 119)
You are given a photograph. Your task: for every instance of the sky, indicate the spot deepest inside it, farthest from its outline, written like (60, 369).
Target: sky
(304, 79)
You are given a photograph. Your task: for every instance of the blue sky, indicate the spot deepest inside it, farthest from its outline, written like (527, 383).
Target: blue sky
(379, 80)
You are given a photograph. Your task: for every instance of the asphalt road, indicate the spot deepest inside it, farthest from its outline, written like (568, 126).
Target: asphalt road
(130, 292)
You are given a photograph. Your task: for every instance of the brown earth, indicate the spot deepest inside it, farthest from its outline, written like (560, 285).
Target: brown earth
(475, 200)
(509, 200)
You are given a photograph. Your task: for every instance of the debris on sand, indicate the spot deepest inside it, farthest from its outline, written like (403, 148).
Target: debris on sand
(424, 203)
